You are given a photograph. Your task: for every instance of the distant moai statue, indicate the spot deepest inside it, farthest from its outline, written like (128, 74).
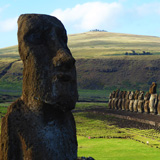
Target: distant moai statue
(131, 99)
(120, 100)
(40, 124)
(146, 102)
(110, 100)
(116, 99)
(153, 98)
(158, 105)
(113, 99)
(123, 100)
(135, 105)
(127, 101)
(141, 102)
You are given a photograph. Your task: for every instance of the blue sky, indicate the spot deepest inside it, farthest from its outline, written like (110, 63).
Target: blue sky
(122, 16)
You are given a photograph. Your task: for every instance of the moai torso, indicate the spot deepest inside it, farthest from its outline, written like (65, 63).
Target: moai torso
(158, 106)
(113, 99)
(120, 100)
(116, 99)
(127, 101)
(153, 103)
(153, 98)
(131, 98)
(40, 124)
(110, 100)
(146, 103)
(135, 105)
(141, 102)
(123, 100)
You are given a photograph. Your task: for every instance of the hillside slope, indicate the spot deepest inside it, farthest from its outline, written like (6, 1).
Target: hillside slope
(101, 45)
(101, 63)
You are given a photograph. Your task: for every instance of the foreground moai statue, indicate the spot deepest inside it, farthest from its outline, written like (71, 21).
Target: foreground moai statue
(40, 125)
(146, 102)
(153, 98)
(141, 102)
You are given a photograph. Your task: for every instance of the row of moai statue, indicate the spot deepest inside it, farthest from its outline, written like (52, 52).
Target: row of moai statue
(136, 101)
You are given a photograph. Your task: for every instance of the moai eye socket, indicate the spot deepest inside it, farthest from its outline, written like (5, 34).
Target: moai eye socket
(34, 38)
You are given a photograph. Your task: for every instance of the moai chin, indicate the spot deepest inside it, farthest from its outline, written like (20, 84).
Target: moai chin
(40, 125)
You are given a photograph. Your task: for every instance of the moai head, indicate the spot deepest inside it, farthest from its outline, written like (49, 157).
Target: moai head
(124, 94)
(117, 93)
(147, 96)
(136, 94)
(131, 96)
(120, 94)
(113, 94)
(49, 75)
(141, 95)
(152, 89)
(127, 94)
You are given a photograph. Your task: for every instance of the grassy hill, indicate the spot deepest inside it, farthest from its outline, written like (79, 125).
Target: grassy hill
(101, 63)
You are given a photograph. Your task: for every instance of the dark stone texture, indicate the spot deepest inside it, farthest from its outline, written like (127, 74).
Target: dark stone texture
(40, 125)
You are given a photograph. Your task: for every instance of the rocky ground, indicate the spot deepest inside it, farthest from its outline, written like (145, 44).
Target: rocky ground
(127, 119)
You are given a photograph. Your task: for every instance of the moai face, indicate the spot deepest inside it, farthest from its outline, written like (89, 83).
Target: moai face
(152, 89)
(49, 74)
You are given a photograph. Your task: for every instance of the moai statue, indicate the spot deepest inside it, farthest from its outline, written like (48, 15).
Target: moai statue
(158, 105)
(120, 100)
(123, 100)
(40, 124)
(131, 99)
(116, 99)
(141, 102)
(113, 99)
(110, 100)
(127, 101)
(146, 103)
(135, 105)
(153, 98)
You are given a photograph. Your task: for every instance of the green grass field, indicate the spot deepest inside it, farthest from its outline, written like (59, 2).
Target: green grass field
(99, 136)
(116, 149)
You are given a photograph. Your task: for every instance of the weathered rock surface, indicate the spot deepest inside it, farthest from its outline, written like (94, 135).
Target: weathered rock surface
(40, 125)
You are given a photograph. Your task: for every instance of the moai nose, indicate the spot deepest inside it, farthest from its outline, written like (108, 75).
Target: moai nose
(63, 59)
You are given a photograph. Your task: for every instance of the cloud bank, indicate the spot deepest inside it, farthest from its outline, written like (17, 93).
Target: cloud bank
(117, 16)
(90, 15)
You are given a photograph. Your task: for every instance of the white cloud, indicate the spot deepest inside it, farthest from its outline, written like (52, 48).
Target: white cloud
(90, 15)
(8, 24)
